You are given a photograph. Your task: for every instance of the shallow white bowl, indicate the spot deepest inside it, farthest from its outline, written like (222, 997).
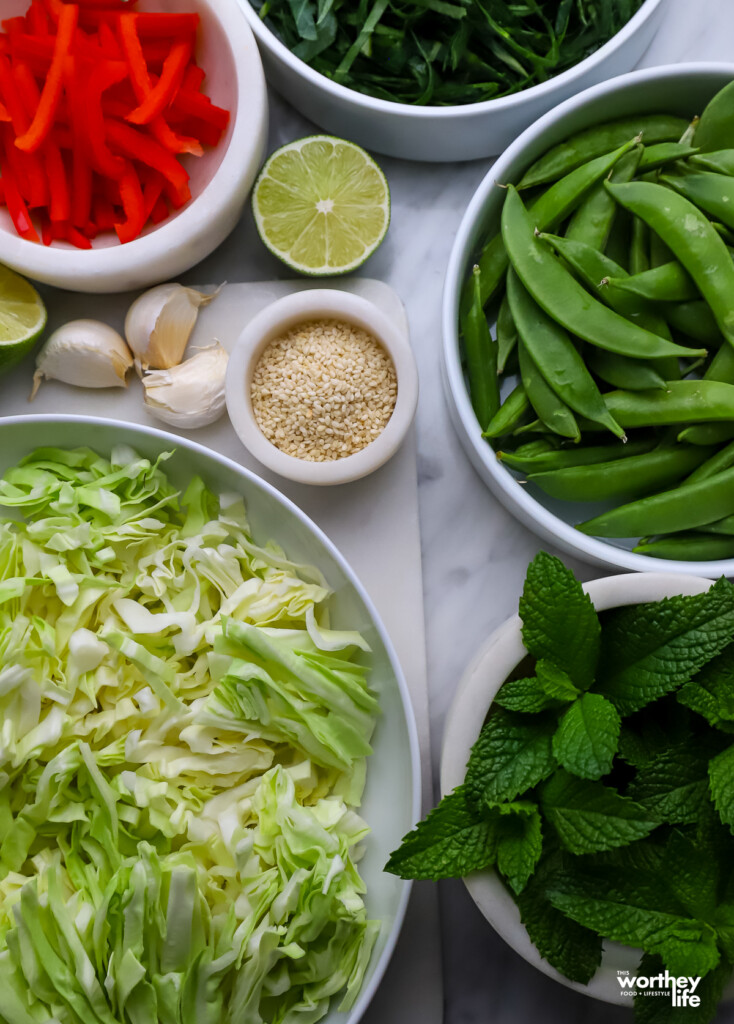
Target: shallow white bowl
(274, 321)
(465, 132)
(682, 90)
(392, 797)
(220, 179)
(502, 653)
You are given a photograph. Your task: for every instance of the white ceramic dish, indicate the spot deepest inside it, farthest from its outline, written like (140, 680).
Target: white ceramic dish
(502, 652)
(274, 321)
(392, 796)
(220, 179)
(682, 90)
(465, 132)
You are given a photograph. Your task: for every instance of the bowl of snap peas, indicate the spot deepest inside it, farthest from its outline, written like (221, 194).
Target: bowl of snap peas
(589, 323)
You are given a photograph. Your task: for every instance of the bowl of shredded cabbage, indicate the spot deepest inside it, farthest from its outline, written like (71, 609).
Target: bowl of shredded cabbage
(201, 718)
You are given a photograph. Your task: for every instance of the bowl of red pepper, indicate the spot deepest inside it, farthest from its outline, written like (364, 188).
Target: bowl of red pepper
(131, 132)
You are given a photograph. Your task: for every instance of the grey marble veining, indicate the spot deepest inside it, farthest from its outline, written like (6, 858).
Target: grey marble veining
(474, 553)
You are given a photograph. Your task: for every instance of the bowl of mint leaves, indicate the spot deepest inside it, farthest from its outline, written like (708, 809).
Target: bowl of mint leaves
(588, 788)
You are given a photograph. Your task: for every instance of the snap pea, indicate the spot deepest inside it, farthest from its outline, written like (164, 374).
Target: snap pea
(618, 243)
(719, 461)
(594, 217)
(684, 508)
(593, 142)
(533, 449)
(707, 433)
(716, 128)
(695, 320)
(684, 401)
(726, 233)
(725, 525)
(659, 252)
(623, 372)
(722, 366)
(551, 410)
(510, 414)
(689, 134)
(481, 357)
(711, 192)
(689, 547)
(666, 283)
(550, 459)
(506, 335)
(721, 160)
(639, 260)
(563, 298)
(630, 477)
(557, 358)
(695, 243)
(664, 153)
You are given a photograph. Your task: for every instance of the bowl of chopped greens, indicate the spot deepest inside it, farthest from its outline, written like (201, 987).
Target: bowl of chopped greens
(586, 779)
(202, 715)
(442, 80)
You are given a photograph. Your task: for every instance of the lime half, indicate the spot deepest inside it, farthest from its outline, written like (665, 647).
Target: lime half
(321, 205)
(22, 317)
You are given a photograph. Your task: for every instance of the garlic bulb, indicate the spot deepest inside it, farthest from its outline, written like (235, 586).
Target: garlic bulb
(192, 393)
(86, 353)
(159, 324)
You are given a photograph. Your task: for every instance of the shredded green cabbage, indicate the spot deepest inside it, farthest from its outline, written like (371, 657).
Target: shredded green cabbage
(182, 746)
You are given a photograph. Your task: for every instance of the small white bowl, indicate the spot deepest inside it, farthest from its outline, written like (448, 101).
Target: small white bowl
(683, 90)
(220, 179)
(274, 321)
(466, 132)
(496, 659)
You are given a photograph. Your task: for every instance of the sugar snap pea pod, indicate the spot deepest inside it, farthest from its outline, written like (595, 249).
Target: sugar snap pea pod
(664, 153)
(720, 460)
(684, 401)
(594, 217)
(510, 414)
(618, 243)
(725, 526)
(689, 134)
(711, 192)
(689, 547)
(707, 434)
(695, 320)
(506, 335)
(535, 426)
(561, 296)
(624, 478)
(481, 357)
(557, 358)
(722, 366)
(659, 252)
(564, 458)
(684, 508)
(533, 449)
(721, 161)
(594, 142)
(624, 372)
(695, 243)
(639, 260)
(551, 410)
(715, 130)
(666, 283)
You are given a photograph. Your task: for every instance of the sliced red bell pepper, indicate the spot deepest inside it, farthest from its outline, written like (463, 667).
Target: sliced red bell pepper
(168, 84)
(43, 120)
(108, 42)
(75, 140)
(135, 145)
(2, 193)
(38, 20)
(151, 193)
(133, 204)
(50, 154)
(103, 213)
(16, 204)
(102, 77)
(30, 176)
(152, 25)
(54, 8)
(195, 104)
(47, 234)
(4, 115)
(76, 238)
(160, 211)
(194, 78)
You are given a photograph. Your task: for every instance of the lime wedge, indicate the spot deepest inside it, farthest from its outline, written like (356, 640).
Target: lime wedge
(321, 205)
(22, 317)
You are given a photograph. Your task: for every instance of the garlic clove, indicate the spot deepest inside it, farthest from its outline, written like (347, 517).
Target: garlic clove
(159, 324)
(85, 353)
(191, 394)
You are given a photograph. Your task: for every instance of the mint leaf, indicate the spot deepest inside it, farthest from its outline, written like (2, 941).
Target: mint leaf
(711, 693)
(723, 921)
(673, 785)
(451, 842)
(589, 816)
(573, 950)
(658, 1009)
(624, 914)
(511, 756)
(721, 782)
(555, 682)
(691, 874)
(559, 621)
(649, 650)
(586, 739)
(550, 688)
(519, 842)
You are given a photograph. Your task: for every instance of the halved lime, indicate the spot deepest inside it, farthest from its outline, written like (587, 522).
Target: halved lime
(321, 205)
(22, 317)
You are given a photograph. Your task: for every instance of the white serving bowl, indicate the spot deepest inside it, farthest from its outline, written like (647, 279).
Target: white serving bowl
(682, 90)
(220, 179)
(465, 132)
(276, 320)
(496, 659)
(392, 797)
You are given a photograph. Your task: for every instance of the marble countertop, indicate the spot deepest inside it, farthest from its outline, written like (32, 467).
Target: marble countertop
(474, 553)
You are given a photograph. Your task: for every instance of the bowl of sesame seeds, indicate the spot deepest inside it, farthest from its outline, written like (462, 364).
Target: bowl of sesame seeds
(322, 387)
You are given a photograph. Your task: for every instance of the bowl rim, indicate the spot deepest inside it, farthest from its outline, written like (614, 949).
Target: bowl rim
(280, 316)
(519, 501)
(167, 438)
(500, 653)
(373, 104)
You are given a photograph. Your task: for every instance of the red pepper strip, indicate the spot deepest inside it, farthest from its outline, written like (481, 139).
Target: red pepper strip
(167, 86)
(4, 115)
(30, 176)
(47, 234)
(152, 193)
(163, 26)
(38, 21)
(160, 211)
(14, 26)
(41, 47)
(45, 113)
(58, 186)
(195, 104)
(137, 146)
(107, 6)
(4, 44)
(108, 42)
(133, 205)
(206, 133)
(77, 238)
(194, 78)
(104, 213)
(16, 204)
(90, 230)
(154, 51)
(102, 77)
(75, 140)
(2, 193)
(115, 108)
(54, 8)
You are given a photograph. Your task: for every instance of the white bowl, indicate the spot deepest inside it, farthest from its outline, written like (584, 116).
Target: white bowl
(502, 653)
(392, 797)
(220, 179)
(465, 132)
(274, 321)
(682, 90)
